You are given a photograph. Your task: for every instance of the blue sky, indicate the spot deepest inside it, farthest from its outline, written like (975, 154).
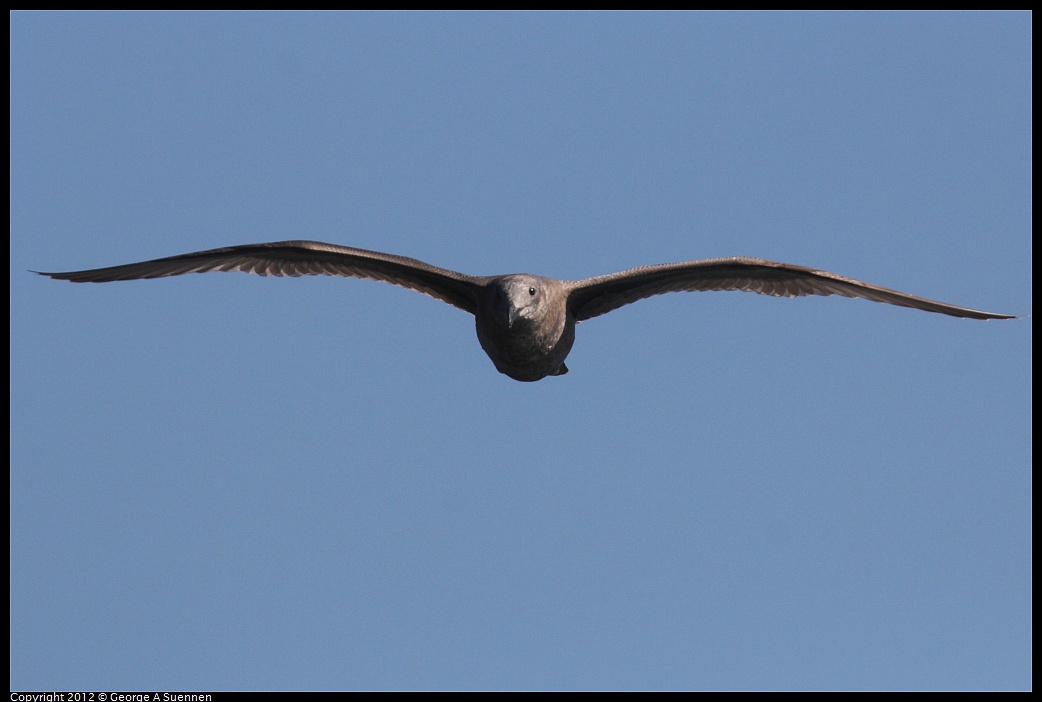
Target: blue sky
(229, 482)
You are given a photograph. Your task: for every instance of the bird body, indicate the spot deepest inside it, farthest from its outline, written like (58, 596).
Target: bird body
(525, 323)
(525, 326)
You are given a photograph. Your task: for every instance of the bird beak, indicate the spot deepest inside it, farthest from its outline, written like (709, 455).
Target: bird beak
(512, 314)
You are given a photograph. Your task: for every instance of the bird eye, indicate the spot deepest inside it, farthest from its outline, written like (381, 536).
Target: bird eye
(531, 291)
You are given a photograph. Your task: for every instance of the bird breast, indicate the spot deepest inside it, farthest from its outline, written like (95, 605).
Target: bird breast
(528, 350)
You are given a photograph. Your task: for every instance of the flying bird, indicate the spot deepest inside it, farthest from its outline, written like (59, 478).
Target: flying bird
(525, 323)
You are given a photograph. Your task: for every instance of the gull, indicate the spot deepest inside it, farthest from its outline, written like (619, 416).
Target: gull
(525, 323)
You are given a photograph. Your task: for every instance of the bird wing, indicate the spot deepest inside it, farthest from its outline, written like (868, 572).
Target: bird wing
(595, 296)
(296, 258)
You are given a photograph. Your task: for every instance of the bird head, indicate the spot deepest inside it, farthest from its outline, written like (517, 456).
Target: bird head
(518, 300)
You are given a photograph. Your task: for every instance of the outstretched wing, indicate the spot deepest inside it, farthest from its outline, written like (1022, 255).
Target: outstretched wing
(595, 296)
(296, 258)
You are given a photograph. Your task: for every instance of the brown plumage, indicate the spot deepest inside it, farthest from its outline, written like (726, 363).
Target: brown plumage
(525, 323)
